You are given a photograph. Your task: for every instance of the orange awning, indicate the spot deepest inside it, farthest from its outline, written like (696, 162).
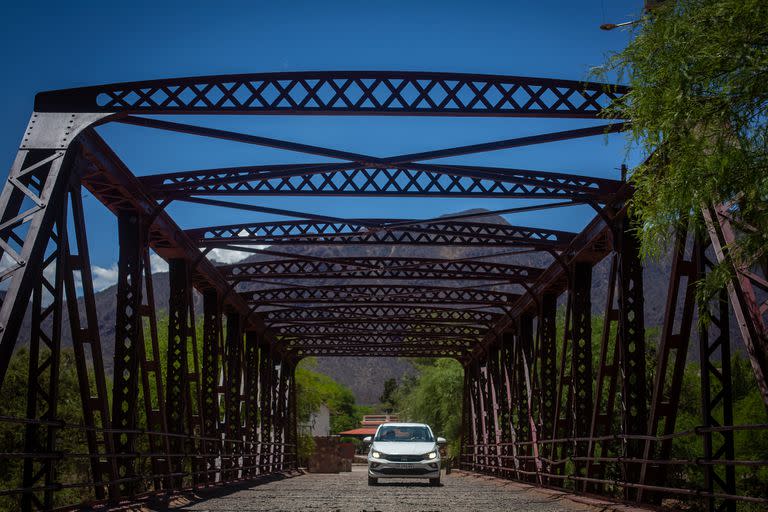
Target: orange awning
(365, 431)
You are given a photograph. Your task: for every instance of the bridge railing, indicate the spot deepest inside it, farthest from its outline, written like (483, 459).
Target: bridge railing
(685, 477)
(232, 460)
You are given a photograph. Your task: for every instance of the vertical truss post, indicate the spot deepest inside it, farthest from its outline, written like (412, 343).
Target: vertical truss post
(86, 344)
(563, 419)
(251, 402)
(294, 418)
(210, 380)
(482, 414)
(672, 353)
(494, 383)
(632, 349)
(607, 382)
(265, 402)
(128, 339)
(581, 362)
(466, 420)
(524, 431)
(474, 405)
(506, 363)
(40, 434)
(152, 378)
(717, 398)
(280, 416)
(547, 332)
(234, 434)
(178, 400)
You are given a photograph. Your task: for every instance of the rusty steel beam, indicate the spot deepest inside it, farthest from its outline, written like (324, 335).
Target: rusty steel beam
(212, 356)
(379, 351)
(379, 268)
(421, 328)
(400, 312)
(420, 180)
(375, 232)
(342, 92)
(378, 294)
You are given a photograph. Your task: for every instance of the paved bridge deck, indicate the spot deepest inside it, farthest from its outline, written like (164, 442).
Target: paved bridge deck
(349, 492)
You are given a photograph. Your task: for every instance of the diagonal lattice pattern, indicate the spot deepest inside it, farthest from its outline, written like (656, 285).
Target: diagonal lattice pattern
(389, 328)
(380, 294)
(418, 180)
(343, 92)
(380, 268)
(379, 312)
(374, 233)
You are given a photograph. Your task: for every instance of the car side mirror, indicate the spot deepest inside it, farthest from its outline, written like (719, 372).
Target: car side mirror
(441, 440)
(367, 439)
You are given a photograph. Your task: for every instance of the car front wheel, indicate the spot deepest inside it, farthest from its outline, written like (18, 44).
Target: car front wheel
(374, 481)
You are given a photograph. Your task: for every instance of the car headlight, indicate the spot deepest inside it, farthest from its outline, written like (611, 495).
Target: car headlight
(432, 454)
(375, 454)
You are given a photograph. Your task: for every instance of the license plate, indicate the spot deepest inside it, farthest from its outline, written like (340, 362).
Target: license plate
(406, 466)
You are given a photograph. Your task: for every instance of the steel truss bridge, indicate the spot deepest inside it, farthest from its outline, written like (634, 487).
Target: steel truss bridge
(536, 408)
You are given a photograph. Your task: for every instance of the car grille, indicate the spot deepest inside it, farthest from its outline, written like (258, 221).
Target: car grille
(404, 458)
(398, 471)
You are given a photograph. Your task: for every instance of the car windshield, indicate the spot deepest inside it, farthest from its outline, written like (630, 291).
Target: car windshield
(414, 434)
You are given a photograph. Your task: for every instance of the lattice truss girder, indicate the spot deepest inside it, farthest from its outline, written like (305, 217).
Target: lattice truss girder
(381, 232)
(378, 294)
(343, 92)
(380, 268)
(383, 313)
(390, 327)
(404, 180)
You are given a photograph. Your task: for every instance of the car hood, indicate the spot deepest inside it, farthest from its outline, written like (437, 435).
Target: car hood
(395, 448)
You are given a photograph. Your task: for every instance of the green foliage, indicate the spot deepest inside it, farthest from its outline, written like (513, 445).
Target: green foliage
(314, 389)
(698, 70)
(68, 440)
(434, 397)
(387, 397)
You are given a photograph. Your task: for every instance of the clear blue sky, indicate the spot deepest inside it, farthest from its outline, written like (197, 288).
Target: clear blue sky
(51, 45)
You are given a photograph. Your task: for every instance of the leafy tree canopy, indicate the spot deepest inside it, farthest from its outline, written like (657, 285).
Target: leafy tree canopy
(698, 70)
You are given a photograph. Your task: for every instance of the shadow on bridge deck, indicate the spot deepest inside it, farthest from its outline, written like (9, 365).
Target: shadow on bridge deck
(348, 492)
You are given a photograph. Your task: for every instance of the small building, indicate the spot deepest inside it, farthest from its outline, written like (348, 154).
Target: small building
(369, 424)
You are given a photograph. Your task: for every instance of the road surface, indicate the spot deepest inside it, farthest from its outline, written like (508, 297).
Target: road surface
(349, 492)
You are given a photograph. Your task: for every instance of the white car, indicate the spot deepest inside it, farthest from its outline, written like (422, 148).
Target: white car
(404, 450)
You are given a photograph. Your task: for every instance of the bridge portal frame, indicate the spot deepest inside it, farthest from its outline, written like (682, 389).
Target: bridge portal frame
(525, 415)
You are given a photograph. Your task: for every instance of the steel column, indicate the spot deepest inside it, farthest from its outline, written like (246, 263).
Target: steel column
(234, 379)
(178, 401)
(581, 362)
(265, 406)
(671, 359)
(547, 332)
(717, 396)
(212, 333)
(602, 423)
(632, 347)
(40, 434)
(251, 404)
(86, 343)
(128, 342)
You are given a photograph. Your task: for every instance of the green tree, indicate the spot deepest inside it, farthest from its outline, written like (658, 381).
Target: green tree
(698, 72)
(387, 397)
(434, 397)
